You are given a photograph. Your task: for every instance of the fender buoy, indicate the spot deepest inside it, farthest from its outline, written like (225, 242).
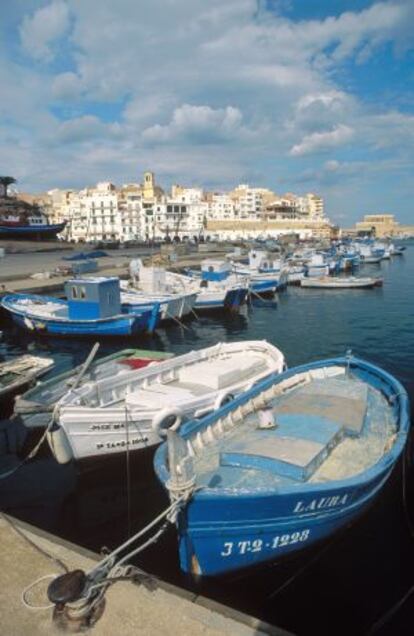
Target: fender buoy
(250, 385)
(223, 398)
(166, 419)
(59, 444)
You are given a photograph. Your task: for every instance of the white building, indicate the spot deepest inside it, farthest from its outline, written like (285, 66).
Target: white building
(311, 205)
(144, 212)
(220, 207)
(251, 202)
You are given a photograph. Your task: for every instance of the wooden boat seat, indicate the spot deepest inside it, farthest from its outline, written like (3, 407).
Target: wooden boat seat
(219, 373)
(341, 401)
(295, 449)
(157, 394)
(60, 312)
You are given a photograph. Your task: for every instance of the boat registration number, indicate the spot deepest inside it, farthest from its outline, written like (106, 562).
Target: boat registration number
(257, 545)
(122, 443)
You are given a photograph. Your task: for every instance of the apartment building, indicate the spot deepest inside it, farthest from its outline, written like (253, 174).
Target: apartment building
(143, 211)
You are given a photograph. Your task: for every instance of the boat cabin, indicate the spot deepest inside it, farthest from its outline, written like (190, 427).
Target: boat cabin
(262, 261)
(93, 298)
(214, 269)
(152, 279)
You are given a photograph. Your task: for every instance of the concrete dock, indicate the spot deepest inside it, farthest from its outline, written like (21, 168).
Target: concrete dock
(16, 269)
(130, 609)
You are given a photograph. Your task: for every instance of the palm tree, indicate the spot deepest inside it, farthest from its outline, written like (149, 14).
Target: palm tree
(5, 182)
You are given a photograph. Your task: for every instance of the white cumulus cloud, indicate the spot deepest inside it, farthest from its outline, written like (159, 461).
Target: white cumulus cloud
(201, 123)
(39, 31)
(321, 141)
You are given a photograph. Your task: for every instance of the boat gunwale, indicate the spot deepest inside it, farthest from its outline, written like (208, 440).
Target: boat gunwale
(26, 377)
(273, 355)
(7, 303)
(56, 379)
(360, 479)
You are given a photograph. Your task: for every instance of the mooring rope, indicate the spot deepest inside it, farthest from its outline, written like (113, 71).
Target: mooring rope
(33, 452)
(107, 571)
(37, 547)
(384, 618)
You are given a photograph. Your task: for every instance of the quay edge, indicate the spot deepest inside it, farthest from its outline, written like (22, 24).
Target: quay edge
(166, 610)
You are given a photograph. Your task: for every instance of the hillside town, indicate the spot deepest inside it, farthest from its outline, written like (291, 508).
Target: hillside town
(144, 211)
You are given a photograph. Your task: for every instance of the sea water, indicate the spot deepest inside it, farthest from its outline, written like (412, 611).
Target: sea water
(340, 588)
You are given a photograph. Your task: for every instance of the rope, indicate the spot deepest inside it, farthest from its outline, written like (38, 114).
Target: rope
(128, 472)
(30, 587)
(55, 412)
(31, 454)
(42, 551)
(305, 567)
(117, 571)
(386, 617)
(107, 571)
(178, 321)
(404, 492)
(165, 513)
(382, 620)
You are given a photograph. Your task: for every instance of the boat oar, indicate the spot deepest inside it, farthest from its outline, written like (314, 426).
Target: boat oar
(268, 303)
(53, 418)
(177, 320)
(86, 365)
(195, 314)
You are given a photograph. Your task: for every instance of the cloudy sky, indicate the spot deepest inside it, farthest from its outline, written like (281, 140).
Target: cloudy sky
(294, 95)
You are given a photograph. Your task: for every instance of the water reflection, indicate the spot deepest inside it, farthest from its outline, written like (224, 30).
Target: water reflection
(368, 566)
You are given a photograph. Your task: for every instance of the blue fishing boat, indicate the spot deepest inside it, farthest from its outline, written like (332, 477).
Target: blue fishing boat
(32, 228)
(93, 308)
(284, 465)
(216, 287)
(267, 273)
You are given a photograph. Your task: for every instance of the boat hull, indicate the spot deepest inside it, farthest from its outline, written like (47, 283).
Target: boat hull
(338, 283)
(229, 300)
(119, 326)
(93, 430)
(221, 530)
(31, 232)
(260, 529)
(36, 405)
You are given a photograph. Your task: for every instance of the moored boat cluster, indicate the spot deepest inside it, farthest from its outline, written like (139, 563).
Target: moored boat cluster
(261, 460)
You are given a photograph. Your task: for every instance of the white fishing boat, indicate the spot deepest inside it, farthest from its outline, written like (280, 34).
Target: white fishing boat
(369, 254)
(17, 373)
(350, 282)
(395, 250)
(135, 409)
(317, 265)
(215, 287)
(295, 273)
(34, 408)
(266, 271)
(172, 306)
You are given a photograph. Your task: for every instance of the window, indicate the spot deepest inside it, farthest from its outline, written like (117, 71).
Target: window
(78, 292)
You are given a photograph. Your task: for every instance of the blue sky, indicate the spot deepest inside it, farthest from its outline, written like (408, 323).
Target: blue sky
(293, 95)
